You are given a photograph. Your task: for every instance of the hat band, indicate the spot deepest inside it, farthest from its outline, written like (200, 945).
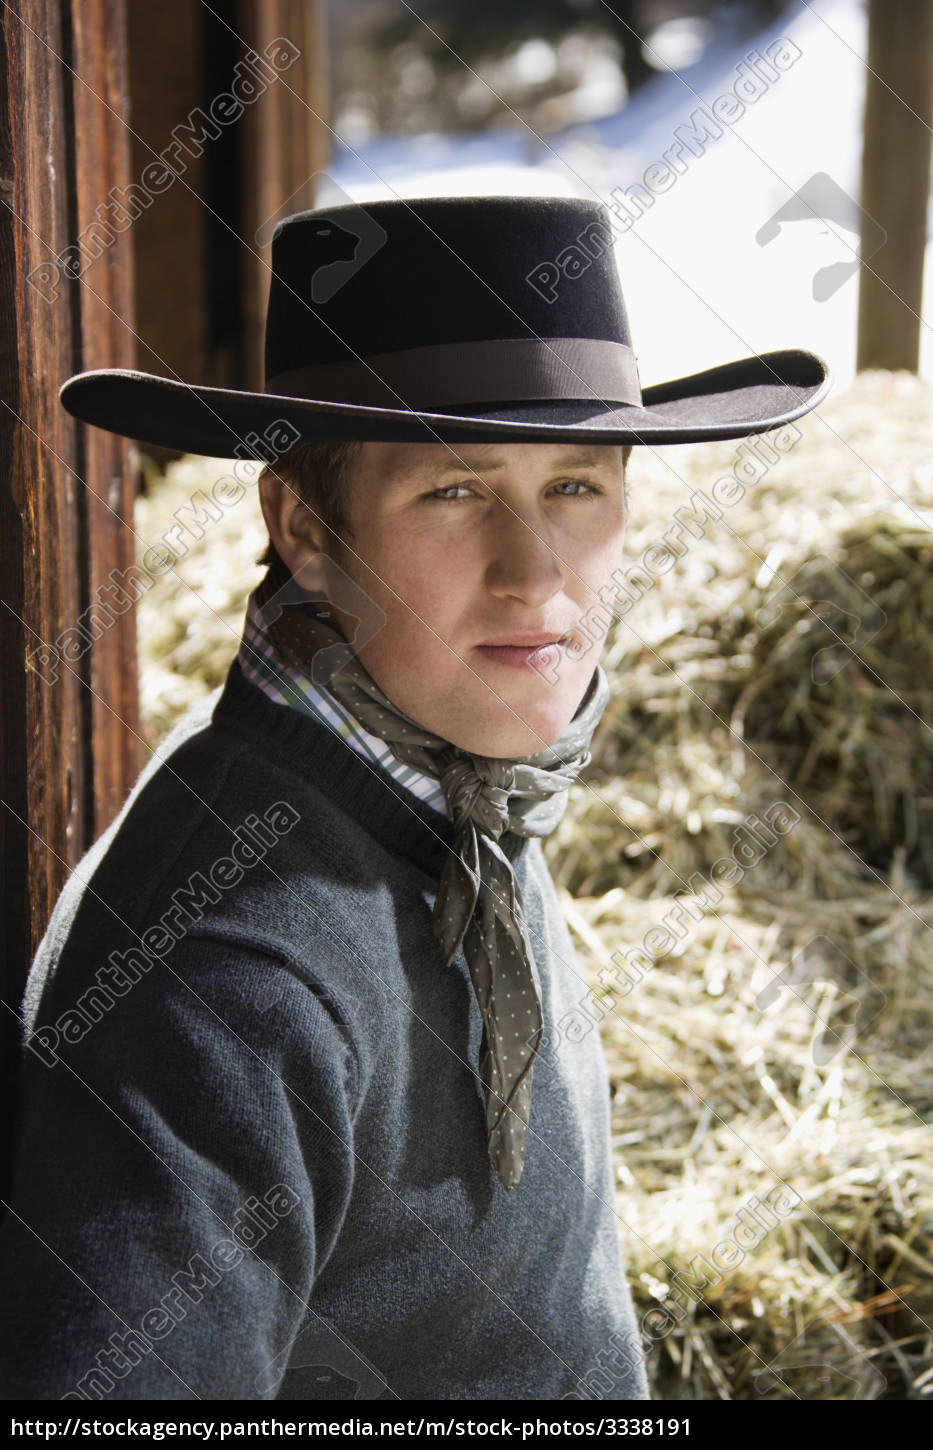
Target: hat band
(448, 374)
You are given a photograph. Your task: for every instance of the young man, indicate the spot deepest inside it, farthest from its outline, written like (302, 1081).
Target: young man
(300, 1121)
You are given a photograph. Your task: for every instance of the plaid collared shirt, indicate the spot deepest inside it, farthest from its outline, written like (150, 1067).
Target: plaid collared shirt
(263, 666)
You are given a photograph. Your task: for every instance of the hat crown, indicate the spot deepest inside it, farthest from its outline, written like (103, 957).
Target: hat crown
(352, 281)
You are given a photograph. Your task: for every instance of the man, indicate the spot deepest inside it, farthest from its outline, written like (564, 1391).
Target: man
(300, 1121)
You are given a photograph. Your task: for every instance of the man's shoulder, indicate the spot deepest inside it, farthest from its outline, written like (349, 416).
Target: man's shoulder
(219, 828)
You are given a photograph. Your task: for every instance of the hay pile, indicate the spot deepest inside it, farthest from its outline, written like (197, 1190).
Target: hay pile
(723, 707)
(191, 618)
(770, 759)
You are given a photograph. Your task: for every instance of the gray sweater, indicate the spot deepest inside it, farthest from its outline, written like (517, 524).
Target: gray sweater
(252, 1160)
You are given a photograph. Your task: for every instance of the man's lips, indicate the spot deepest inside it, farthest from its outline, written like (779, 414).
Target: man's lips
(524, 656)
(524, 639)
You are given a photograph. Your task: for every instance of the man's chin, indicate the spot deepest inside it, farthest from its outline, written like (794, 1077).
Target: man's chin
(512, 739)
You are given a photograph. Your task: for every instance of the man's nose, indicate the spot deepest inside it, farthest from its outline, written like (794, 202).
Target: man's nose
(523, 559)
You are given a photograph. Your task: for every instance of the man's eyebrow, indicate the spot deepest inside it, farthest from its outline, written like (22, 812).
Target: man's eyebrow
(589, 459)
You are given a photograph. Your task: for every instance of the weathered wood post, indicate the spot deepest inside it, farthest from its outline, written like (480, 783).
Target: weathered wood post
(895, 181)
(69, 716)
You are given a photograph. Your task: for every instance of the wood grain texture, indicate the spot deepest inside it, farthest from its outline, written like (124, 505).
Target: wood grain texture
(108, 339)
(68, 752)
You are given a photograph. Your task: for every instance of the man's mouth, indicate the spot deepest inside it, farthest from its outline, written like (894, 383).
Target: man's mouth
(543, 656)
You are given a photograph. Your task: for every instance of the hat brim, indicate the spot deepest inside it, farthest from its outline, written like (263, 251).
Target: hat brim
(735, 400)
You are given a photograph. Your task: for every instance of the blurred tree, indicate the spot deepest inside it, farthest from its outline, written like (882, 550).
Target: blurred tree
(458, 65)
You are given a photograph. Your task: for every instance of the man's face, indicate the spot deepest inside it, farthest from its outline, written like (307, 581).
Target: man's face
(462, 563)
(466, 566)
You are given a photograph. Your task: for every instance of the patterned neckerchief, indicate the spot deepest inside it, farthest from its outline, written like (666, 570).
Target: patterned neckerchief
(263, 666)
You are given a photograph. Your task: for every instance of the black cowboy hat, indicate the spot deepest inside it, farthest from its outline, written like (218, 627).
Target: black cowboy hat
(457, 320)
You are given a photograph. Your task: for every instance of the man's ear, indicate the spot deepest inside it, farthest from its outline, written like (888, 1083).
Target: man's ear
(295, 530)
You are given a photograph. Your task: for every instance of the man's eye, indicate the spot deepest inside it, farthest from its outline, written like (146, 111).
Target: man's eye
(582, 487)
(442, 495)
(580, 483)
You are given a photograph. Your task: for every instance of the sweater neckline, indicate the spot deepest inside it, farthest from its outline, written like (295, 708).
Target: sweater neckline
(367, 792)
